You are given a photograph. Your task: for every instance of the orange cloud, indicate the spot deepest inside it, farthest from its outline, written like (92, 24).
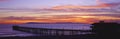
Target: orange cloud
(81, 7)
(58, 18)
(51, 20)
(99, 5)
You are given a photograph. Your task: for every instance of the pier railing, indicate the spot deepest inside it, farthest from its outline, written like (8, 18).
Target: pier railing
(47, 31)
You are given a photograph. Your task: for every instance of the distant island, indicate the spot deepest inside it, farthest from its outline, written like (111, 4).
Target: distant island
(54, 23)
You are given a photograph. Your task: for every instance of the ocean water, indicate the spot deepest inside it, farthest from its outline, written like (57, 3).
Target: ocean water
(6, 29)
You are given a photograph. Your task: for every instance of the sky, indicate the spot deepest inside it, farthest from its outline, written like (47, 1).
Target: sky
(52, 11)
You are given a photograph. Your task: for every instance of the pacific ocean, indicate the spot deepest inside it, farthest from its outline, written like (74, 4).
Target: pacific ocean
(6, 29)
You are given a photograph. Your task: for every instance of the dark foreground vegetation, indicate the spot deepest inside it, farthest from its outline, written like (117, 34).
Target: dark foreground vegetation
(102, 30)
(54, 37)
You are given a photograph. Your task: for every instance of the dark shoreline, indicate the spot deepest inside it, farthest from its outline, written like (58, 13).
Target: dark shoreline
(89, 36)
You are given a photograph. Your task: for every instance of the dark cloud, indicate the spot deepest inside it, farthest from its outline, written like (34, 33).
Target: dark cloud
(17, 18)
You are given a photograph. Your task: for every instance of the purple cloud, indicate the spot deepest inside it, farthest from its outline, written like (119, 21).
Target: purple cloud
(17, 18)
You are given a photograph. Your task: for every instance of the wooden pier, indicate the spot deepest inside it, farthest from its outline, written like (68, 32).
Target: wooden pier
(47, 31)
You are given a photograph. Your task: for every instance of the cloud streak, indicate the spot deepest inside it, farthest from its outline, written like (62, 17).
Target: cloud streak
(62, 13)
(90, 18)
(4, 0)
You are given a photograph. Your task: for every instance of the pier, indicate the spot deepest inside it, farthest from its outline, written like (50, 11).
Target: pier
(47, 31)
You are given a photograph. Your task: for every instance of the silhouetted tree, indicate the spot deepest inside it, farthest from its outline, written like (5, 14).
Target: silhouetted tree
(106, 30)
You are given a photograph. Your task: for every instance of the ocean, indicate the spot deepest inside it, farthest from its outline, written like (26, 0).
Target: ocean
(6, 29)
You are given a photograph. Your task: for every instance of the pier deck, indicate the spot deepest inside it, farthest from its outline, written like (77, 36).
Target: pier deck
(47, 31)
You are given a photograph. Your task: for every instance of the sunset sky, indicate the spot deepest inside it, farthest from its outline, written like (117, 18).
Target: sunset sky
(82, 11)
